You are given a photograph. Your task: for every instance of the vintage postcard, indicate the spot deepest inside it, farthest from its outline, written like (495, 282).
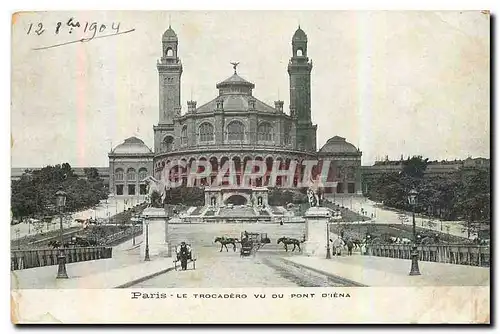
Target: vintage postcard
(229, 167)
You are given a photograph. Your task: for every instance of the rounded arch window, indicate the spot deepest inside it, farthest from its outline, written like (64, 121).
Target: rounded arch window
(131, 175)
(299, 53)
(119, 174)
(235, 131)
(206, 132)
(143, 173)
(168, 143)
(265, 132)
(169, 52)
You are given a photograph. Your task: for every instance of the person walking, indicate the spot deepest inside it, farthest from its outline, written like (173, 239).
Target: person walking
(350, 246)
(338, 244)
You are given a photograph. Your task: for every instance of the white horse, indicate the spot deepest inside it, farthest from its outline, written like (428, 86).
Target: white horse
(153, 185)
(312, 197)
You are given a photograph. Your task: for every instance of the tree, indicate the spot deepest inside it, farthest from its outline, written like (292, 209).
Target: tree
(415, 167)
(34, 193)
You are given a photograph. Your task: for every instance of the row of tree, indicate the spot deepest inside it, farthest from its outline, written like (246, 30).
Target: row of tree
(460, 195)
(34, 193)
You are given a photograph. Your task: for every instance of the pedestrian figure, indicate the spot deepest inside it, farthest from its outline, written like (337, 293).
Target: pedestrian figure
(350, 246)
(183, 254)
(338, 244)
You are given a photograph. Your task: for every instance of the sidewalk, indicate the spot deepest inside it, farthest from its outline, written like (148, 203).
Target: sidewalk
(124, 269)
(103, 210)
(392, 216)
(387, 272)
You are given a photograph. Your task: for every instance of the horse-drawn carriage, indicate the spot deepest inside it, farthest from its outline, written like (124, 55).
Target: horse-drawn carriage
(252, 242)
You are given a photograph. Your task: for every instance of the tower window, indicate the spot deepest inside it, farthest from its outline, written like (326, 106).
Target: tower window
(299, 53)
(184, 135)
(168, 143)
(169, 52)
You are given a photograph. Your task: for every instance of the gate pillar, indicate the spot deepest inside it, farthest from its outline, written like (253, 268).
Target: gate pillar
(317, 219)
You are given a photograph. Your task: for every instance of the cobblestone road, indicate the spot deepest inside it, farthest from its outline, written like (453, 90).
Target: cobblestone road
(229, 270)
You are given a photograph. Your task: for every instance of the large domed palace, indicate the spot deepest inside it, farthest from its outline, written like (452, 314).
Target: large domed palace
(234, 126)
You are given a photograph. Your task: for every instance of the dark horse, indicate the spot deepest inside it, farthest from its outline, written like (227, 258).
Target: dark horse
(224, 241)
(290, 241)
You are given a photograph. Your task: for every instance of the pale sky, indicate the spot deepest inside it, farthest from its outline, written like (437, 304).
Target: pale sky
(391, 83)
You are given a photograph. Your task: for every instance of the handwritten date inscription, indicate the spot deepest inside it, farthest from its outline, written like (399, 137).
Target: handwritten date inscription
(88, 30)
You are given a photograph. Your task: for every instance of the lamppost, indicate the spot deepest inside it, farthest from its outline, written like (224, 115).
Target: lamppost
(18, 237)
(146, 256)
(414, 271)
(328, 253)
(134, 219)
(60, 203)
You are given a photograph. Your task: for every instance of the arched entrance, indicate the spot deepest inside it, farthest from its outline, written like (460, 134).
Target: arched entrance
(236, 200)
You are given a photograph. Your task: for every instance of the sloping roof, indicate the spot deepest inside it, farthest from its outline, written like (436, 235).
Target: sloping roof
(132, 145)
(235, 79)
(338, 145)
(169, 35)
(299, 35)
(235, 102)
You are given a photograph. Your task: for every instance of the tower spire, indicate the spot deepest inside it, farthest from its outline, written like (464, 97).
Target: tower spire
(169, 21)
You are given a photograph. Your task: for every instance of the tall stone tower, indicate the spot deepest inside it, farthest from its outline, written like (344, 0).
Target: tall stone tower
(169, 72)
(299, 70)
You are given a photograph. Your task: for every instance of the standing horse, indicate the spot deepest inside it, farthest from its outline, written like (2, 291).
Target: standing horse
(290, 241)
(224, 241)
(154, 185)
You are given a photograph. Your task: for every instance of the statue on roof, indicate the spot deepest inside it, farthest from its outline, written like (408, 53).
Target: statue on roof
(234, 66)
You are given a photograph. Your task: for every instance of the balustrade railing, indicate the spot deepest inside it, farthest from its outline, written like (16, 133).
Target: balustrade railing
(25, 259)
(472, 255)
(122, 236)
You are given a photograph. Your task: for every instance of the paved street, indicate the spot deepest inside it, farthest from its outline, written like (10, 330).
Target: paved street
(229, 270)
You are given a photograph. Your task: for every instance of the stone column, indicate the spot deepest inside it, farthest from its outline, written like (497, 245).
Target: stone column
(157, 229)
(316, 234)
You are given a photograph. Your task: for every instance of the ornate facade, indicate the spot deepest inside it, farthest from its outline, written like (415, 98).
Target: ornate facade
(235, 125)
(129, 164)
